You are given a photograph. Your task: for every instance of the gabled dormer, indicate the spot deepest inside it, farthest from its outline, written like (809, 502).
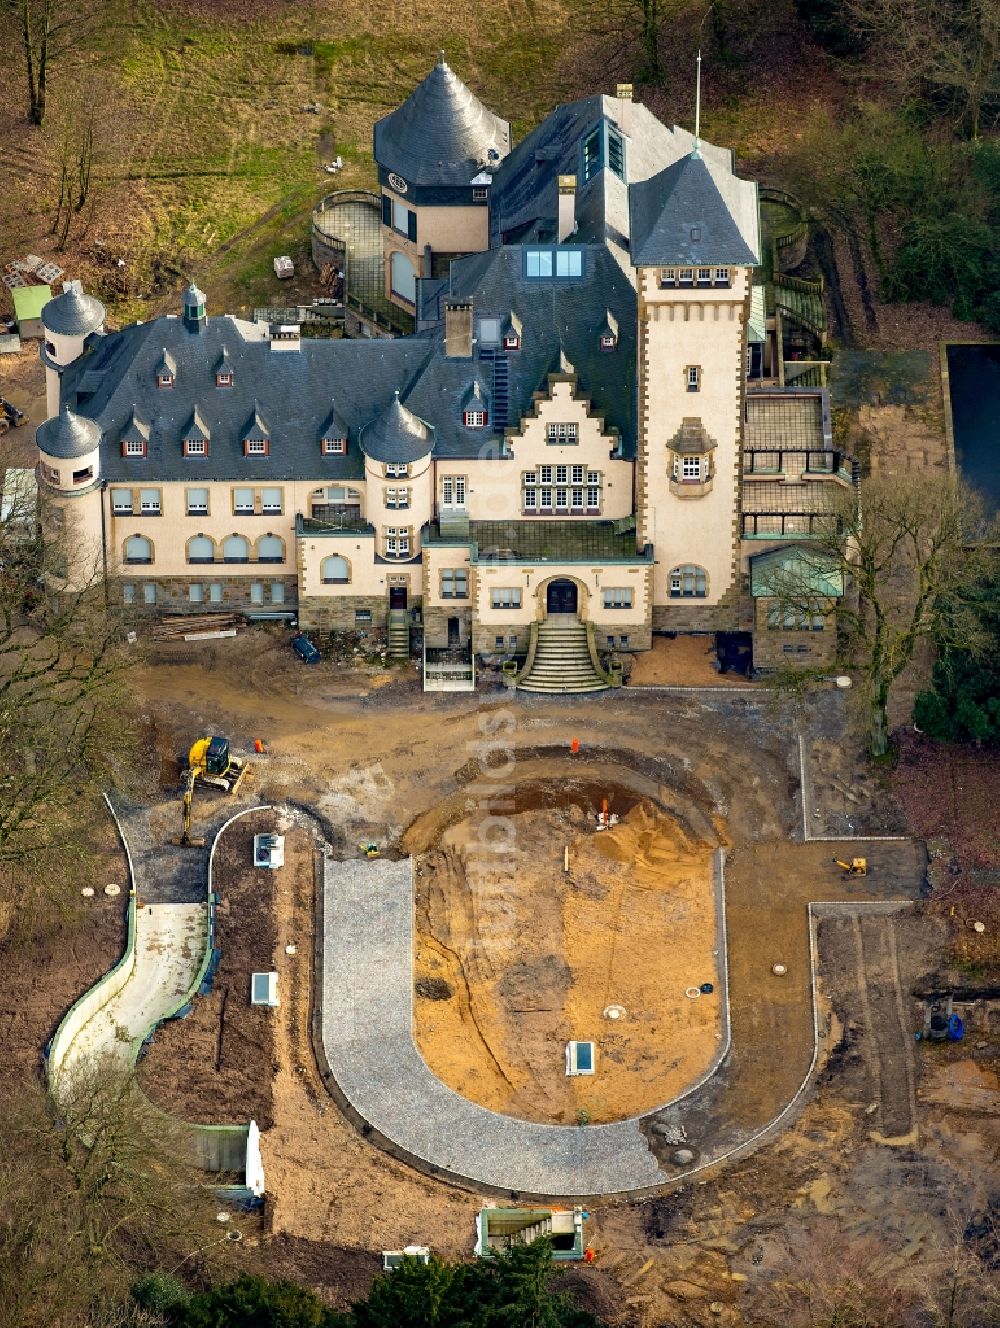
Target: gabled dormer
(475, 406)
(196, 435)
(333, 435)
(134, 438)
(224, 375)
(256, 436)
(166, 370)
(609, 332)
(512, 333)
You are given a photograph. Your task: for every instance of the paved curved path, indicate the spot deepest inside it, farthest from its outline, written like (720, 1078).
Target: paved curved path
(366, 1029)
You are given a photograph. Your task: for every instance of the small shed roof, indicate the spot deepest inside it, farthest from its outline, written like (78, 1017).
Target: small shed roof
(787, 573)
(29, 301)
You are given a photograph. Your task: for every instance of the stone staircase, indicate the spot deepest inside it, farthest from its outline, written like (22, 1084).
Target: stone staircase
(562, 660)
(528, 1235)
(398, 637)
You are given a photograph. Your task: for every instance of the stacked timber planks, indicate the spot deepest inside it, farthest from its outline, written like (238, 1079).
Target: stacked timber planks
(197, 627)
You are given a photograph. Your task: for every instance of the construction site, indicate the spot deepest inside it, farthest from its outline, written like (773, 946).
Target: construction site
(612, 975)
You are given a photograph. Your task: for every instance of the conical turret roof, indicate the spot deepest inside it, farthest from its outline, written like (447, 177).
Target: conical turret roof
(73, 314)
(396, 434)
(442, 134)
(68, 436)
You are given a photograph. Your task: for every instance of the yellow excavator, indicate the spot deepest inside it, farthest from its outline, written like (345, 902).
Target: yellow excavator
(856, 866)
(209, 762)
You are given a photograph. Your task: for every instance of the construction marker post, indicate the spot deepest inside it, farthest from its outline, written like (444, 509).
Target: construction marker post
(574, 747)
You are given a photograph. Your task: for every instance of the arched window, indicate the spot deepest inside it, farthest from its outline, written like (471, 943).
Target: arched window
(404, 279)
(335, 570)
(200, 549)
(688, 582)
(138, 549)
(270, 549)
(235, 549)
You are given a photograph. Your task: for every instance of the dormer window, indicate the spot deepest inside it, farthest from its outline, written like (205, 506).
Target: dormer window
(256, 446)
(134, 447)
(223, 380)
(609, 341)
(164, 380)
(512, 341)
(166, 370)
(475, 419)
(333, 446)
(195, 447)
(257, 439)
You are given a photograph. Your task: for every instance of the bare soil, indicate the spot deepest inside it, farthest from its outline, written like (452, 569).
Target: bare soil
(630, 925)
(216, 1064)
(683, 661)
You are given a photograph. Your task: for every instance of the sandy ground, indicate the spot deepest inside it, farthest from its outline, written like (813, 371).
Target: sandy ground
(684, 661)
(631, 925)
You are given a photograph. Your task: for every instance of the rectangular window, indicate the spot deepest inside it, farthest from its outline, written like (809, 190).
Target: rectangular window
(685, 275)
(453, 491)
(397, 470)
(618, 598)
(397, 542)
(569, 263)
(243, 502)
(512, 644)
(616, 153)
(576, 498)
(506, 598)
(197, 502)
(690, 468)
(489, 331)
(593, 497)
(270, 502)
(334, 446)
(562, 501)
(83, 476)
(255, 447)
(564, 435)
(149, 592)
(530, 497)
(498, 642)
(561, 473)
(128, 593)
(149, 502)
(480, 193)
(668, 276)
(592, 155)
(546, 499)
(623, 643)
(538, 263)
(577, 474)
(397, 497)
(135, 447)
(215, 592)
(704, 274)
(454, 583)
(362, 617)
(545, 474)
(722, 276)
(693, 377)
(195, 447)
(277, 592)
(196, 592)
(256, 592)
(400, 217)
(475, 419)
(223, 380)
(121, 502)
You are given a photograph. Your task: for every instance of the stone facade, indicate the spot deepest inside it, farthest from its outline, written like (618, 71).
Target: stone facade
(776, 648)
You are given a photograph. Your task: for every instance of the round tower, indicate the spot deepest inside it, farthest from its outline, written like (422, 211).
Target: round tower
(68, 321)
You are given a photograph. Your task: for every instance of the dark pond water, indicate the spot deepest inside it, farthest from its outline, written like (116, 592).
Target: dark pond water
(974, 375)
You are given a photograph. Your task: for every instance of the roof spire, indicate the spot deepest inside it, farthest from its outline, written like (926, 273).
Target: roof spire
(442, 60)
(696, 150)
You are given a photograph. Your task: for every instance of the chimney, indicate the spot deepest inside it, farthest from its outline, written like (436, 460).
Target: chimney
(458, 329)
(624, 92)
(567, 207)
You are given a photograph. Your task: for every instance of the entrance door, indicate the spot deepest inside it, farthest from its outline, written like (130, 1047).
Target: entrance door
(561, 597)
(397, 597)
(454, 632)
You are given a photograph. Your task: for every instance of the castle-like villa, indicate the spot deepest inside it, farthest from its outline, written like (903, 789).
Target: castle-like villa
(575, 449)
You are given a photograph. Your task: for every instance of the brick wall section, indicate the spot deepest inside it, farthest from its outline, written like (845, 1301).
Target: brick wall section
(775, 649)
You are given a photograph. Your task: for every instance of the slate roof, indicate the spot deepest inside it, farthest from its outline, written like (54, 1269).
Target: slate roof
(68, 436)
(691, 213)
(73, 314)
(442, 134)
(396, 434)
(292, 390)
(197, 430)
(524, 197)
(560, 320)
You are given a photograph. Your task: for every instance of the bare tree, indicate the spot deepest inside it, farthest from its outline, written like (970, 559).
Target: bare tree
(49, 30)
(96, 1190)
(66, 711)
(911, 552)
(947, 47)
